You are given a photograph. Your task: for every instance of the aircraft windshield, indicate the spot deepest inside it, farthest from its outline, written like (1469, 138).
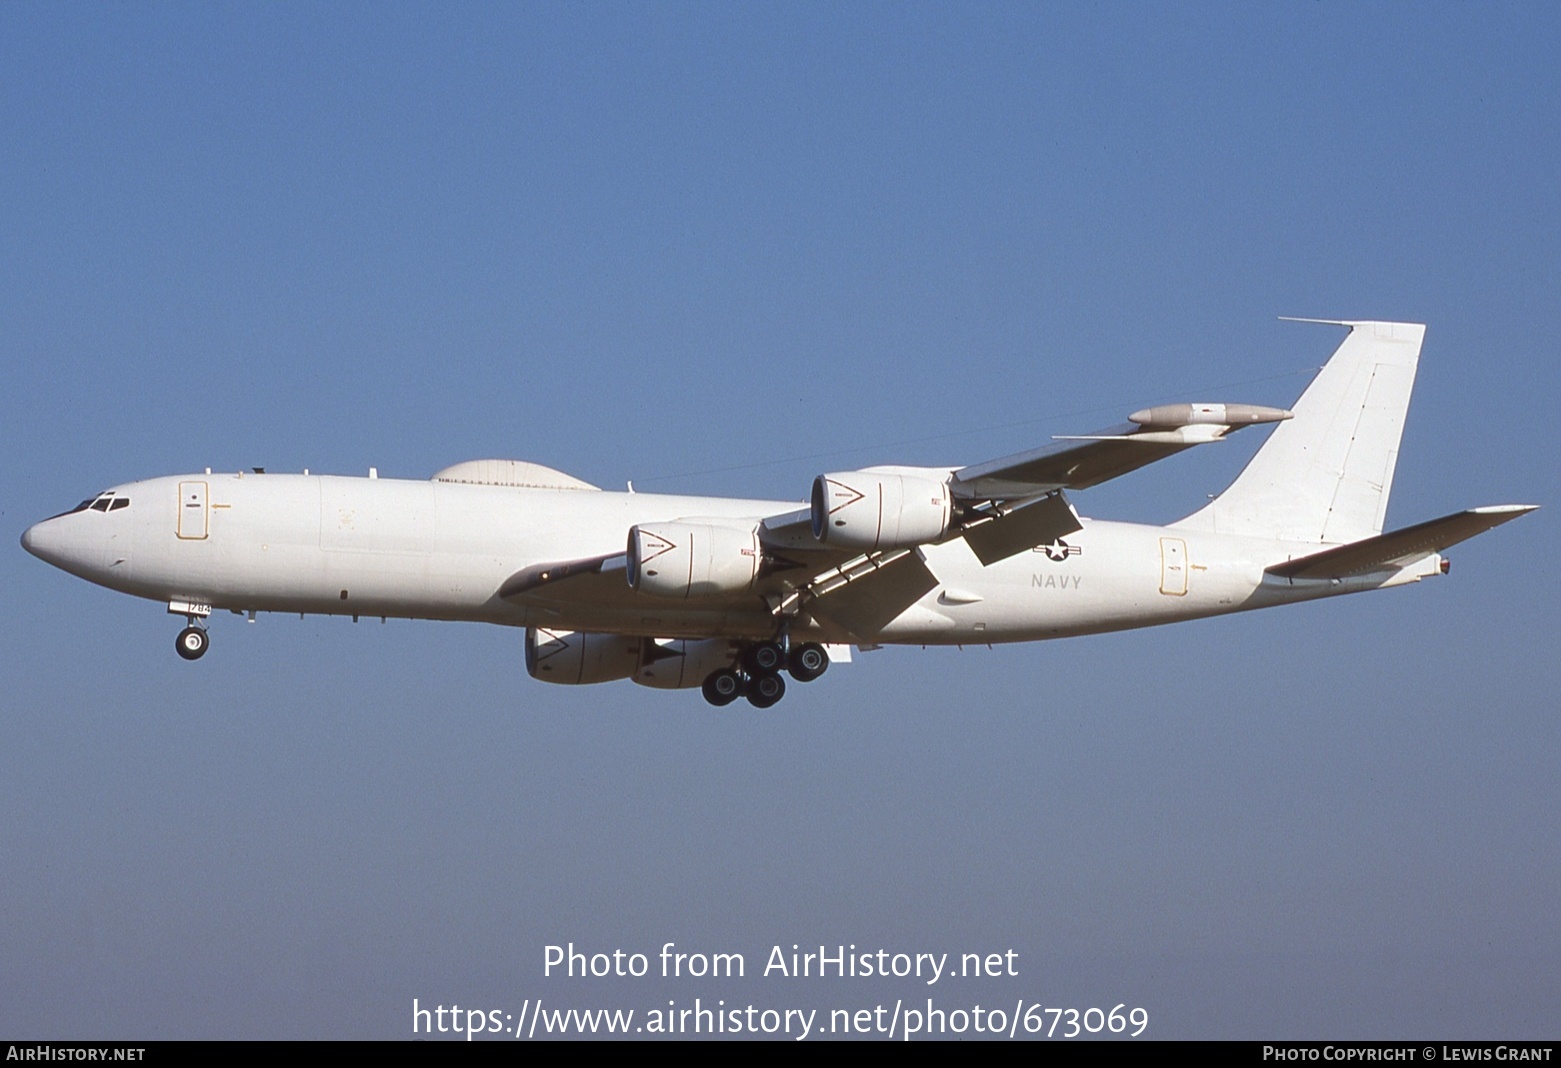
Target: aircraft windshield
(103, 502)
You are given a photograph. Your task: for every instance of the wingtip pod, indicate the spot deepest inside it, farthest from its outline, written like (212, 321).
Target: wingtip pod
(1174, 416)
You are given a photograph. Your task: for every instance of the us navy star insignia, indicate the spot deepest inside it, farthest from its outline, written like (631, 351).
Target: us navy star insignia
(1059, 550)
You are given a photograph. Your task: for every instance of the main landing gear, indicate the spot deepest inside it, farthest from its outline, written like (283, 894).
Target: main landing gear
(757, 674)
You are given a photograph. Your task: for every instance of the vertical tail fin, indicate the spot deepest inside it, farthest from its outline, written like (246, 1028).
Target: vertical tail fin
(1324, 476)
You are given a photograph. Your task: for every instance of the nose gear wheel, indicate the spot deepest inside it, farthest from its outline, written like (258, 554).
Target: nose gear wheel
(192, 642)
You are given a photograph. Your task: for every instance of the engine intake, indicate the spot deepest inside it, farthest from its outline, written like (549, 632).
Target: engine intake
(870, 510)
(693, 559)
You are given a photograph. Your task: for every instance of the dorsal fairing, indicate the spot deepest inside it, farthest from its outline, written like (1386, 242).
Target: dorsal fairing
(519, 473)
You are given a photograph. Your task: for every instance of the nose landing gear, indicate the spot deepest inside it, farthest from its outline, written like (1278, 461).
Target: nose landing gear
(192, 642)
(193, 639)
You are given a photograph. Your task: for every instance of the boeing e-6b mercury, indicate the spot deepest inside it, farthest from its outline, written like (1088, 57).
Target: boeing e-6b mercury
(727, 594)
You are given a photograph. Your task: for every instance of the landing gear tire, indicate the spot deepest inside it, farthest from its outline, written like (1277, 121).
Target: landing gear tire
(722, 687)
(192, 643)
(765, 690)
(763, 658)
(807, 661)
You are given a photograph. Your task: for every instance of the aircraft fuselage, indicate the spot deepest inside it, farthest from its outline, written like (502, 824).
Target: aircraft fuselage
(436, 550)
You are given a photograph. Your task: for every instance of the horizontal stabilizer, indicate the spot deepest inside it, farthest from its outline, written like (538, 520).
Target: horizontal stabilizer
(1399, 548)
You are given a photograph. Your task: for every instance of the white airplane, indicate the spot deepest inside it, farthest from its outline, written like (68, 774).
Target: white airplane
(726, 594)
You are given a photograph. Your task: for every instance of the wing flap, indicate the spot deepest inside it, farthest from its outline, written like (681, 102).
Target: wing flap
(872, 596)
(1020, 529)
(1398, 548)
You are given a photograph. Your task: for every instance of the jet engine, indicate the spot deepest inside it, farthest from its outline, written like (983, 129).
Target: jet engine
(692, 559)
(675, 664)
(573, 658)
(869, 510)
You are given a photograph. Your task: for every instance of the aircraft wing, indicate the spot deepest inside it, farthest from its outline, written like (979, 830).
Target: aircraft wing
(1084, 460)
(790, 531)
(1001, 507)
(1398, 548)
(1005, 506)
(598, 581)
(1075, 463)
(535, 577)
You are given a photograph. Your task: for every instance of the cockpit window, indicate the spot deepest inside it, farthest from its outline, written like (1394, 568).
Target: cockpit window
(82, 507)
(103, 502)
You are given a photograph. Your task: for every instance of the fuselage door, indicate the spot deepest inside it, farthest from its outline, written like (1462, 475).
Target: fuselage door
(192, 511)
(1173, 567)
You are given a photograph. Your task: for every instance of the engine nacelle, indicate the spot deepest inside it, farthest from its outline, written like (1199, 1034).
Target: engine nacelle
(693, 559)
(574, 658)
(871, 510)
(675, 664)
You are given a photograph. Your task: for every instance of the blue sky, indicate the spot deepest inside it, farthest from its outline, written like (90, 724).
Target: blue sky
(718, 249)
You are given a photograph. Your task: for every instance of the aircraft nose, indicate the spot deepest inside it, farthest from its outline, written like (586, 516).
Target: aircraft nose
(33, 539)
(46, 541)
(71, 543)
